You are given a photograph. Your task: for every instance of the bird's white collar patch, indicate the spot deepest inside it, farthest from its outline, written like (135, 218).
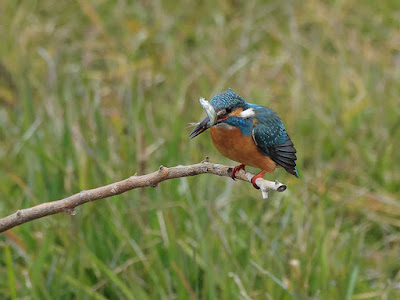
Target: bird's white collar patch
(248, 113)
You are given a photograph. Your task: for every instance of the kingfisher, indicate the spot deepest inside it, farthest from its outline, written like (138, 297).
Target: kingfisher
(247, 133)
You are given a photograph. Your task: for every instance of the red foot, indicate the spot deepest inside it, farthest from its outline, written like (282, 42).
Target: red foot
(237, 168)
(259, 175)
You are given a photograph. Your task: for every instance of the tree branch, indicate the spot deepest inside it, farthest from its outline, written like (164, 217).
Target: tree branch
(153, 179)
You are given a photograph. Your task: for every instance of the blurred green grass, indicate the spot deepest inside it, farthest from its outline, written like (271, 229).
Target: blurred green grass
(94, 91)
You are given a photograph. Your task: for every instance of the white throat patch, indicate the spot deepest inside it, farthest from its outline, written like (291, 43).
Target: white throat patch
(223, 126)
(248, 113)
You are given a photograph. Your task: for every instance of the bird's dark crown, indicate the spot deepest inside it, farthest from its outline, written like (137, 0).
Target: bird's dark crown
(228, 100)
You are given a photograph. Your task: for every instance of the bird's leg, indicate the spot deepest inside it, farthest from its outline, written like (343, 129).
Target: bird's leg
(259, 175)
(237, 168)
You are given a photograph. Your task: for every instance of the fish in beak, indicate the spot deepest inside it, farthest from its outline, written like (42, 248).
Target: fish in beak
(208, 122)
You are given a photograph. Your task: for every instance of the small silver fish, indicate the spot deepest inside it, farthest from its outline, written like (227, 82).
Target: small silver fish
(208, 122)
(209, 110)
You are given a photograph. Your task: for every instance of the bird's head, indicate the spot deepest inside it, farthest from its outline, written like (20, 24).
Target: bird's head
(225, 107)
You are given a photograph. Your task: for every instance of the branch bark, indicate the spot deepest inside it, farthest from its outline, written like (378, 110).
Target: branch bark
(153, 179)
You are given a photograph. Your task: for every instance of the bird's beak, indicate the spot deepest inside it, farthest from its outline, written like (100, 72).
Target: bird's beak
(201, 127)
(208, 122)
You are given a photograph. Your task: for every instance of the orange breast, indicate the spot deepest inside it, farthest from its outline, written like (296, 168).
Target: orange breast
(232, 144)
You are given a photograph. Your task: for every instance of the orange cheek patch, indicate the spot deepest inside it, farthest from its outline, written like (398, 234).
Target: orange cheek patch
(236, 113)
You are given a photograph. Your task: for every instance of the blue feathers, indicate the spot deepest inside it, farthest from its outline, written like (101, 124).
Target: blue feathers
(245, 125)
(226, 99)
(268, 127)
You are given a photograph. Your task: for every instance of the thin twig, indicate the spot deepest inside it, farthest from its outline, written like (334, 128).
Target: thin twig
(153, 179)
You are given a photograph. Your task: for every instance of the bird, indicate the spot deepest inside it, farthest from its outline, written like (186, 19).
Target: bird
(250, 134)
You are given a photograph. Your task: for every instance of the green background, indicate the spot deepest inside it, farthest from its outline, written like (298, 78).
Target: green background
(92, 92)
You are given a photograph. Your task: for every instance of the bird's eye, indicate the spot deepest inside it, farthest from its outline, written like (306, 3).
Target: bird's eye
(228, 110)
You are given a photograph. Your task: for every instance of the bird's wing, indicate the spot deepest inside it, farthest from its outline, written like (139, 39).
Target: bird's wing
(272, 140)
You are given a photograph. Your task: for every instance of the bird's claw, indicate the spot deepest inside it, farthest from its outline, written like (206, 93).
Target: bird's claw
(255, 177)
(237, 168)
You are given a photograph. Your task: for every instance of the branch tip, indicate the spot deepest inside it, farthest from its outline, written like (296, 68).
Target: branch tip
(282, 188)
